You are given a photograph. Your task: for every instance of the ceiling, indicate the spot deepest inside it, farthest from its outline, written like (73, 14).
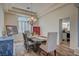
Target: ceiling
(38, 8)
(35, 7)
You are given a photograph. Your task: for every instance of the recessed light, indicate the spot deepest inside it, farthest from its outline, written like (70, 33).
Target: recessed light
(28, 7)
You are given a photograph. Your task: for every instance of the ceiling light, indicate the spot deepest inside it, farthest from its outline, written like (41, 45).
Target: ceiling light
(28, 7)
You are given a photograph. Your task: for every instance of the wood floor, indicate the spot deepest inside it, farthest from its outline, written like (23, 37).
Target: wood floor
(62, 50)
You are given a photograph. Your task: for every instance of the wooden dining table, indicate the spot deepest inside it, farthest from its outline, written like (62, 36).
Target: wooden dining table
(38, 40)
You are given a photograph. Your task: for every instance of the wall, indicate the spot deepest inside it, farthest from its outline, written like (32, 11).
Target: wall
(10, 19)
(1, 20)
(50, 22)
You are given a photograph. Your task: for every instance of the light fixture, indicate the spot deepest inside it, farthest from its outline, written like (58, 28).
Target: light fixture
(28, 7)
(32, 17)
(31, 20)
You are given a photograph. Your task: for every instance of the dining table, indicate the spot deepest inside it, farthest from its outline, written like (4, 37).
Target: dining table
(38, 40)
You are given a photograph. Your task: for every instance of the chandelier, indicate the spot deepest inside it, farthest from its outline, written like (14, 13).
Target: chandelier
(32, 18)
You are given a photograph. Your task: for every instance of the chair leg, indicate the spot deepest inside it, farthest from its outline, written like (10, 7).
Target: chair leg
(54, 52)
(39, 51)
(47, 54)
(27, 50)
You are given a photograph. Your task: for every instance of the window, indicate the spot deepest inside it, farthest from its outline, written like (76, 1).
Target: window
(23, 24)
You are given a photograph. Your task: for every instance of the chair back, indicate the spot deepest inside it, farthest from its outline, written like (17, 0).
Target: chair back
(52, 41)
(27, 33)
(25, 38)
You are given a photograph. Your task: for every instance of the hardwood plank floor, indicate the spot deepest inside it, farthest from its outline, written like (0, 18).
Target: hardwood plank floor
(62, 50)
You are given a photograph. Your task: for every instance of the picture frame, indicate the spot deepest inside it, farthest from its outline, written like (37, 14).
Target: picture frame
(11, 30)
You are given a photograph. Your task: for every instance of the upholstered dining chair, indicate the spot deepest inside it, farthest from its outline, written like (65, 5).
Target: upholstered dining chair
(50, 45)
(27, 42)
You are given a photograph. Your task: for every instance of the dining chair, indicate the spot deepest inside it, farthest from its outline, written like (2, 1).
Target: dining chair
(51, 44)
(27, 42)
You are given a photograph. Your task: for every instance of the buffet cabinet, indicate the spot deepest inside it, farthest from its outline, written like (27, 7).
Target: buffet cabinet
(6, 46)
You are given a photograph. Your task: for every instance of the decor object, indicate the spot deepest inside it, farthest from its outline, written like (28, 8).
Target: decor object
(4, 32)
(36, 30)
(11, 30)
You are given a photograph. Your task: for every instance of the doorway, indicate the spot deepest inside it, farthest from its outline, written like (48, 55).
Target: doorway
(64, 31)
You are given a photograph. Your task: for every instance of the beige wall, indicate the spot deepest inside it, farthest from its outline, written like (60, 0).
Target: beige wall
(10, 19)
(1, 20)
(50, 22)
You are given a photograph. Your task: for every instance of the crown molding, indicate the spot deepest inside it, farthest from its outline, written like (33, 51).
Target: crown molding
(26, 11)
